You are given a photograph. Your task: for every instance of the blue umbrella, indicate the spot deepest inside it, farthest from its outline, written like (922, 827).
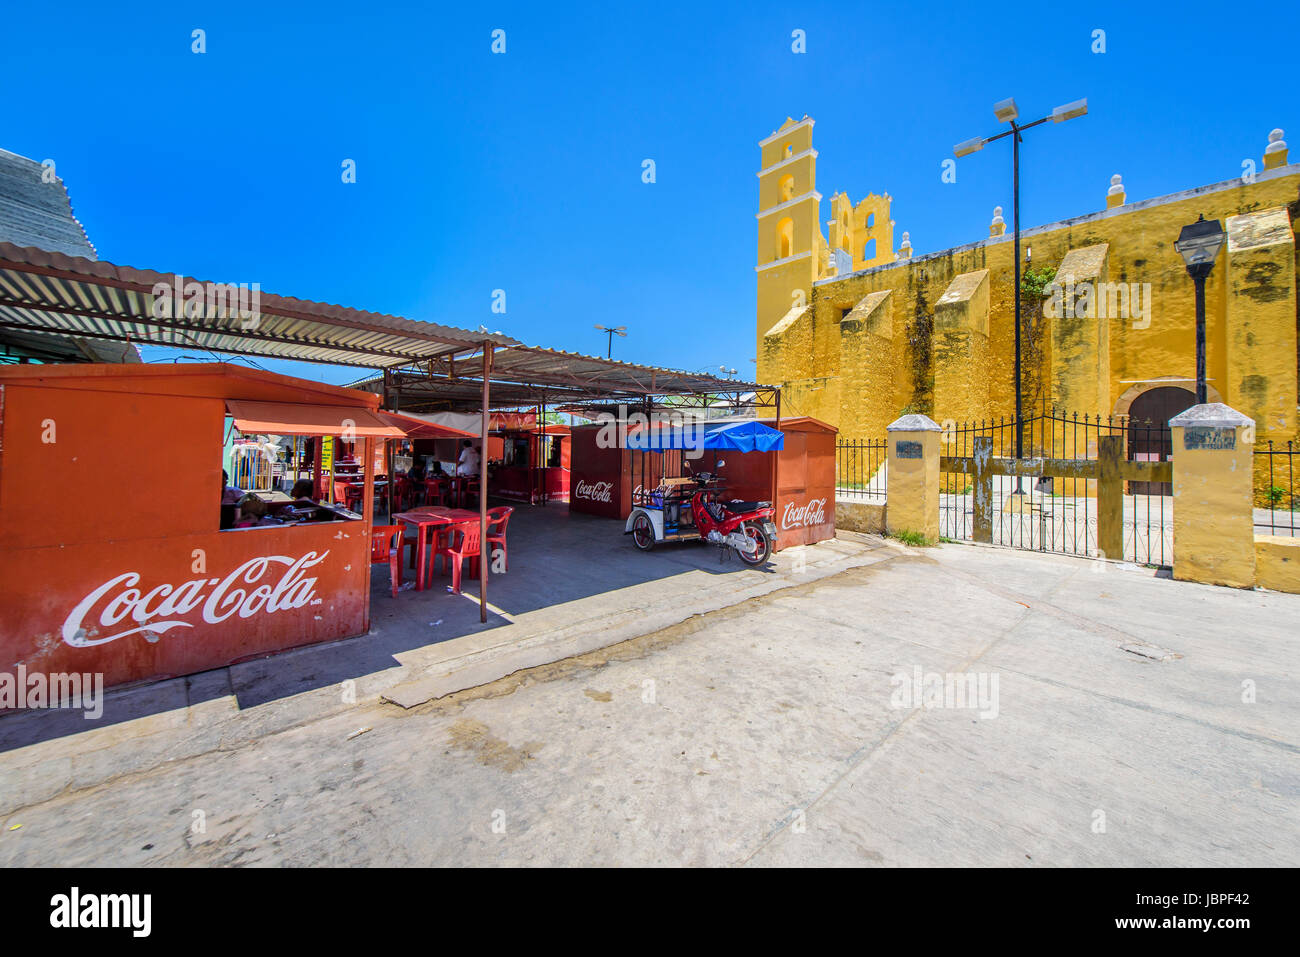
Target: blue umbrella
(742, 436)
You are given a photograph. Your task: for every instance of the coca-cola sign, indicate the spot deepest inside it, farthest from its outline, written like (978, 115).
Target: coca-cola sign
(120, 603)
(594, 491)
(799, 516)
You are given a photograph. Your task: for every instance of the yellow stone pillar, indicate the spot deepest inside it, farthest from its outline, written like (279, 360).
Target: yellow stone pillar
(999, 225)
(1275, 152)
(912, 503)
(961, 348)
(1115, 194)
(869, 362)
(1260, 332)
(1214, 538)
(1080, 339)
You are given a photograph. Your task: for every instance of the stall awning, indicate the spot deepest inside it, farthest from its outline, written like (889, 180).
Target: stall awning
(743, 436)
(292, 418)
(417, 427)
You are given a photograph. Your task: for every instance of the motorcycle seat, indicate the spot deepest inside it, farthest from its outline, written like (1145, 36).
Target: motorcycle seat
(745, 506)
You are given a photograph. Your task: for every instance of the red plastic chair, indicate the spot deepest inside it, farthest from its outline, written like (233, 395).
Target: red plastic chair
(498, 519)
(349, 495)
(468, 486)
(435, 492)
(382, 549)
(462, 543)
(402, 493)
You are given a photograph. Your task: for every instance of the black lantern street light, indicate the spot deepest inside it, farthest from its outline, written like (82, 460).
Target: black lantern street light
(1006, 112)
(1199, 244)
(613, 331)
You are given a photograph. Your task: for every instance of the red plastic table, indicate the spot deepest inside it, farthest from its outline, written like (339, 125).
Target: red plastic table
(431, 517)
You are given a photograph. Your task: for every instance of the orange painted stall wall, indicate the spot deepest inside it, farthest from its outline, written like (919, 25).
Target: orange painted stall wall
(110, 556)
(805, 498)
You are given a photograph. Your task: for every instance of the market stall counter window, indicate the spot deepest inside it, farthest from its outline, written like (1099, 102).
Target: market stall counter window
(272, 508)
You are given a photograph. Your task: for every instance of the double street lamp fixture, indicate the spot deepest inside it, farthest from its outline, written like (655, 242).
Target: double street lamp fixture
(1199, 243)
(612, 331)
(1007, 112)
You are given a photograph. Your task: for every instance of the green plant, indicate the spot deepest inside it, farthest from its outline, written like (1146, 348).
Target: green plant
(1275, 496)
(909, 537)
(920, 351)
(1034, 284)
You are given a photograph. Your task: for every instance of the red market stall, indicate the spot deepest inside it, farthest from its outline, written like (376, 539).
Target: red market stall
(799, 480)
(116, 563)
(603, 479)
(530, 463)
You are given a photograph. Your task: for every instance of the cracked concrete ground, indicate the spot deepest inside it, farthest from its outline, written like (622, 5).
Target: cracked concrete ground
(768, 731)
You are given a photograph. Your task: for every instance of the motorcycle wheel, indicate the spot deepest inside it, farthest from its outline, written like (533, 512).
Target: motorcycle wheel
(762, 545)
(643, 533)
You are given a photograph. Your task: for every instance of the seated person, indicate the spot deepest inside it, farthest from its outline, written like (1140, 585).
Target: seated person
(229, 494)
(436, 472)
(416, 472)
(303, 493)
(253, 511)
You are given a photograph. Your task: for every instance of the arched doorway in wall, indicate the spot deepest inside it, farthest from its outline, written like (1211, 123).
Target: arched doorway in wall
(1149, 436)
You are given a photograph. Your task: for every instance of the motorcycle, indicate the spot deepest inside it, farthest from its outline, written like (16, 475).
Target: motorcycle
(675, 513)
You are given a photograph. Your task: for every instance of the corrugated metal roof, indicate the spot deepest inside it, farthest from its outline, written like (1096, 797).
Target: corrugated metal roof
(43, 291)
(48, 347)
(48, 294)
(536, 365)
(531, 375)
(35, 209)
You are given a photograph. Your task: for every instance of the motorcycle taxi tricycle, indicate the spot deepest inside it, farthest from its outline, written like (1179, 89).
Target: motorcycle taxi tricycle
(695, 506)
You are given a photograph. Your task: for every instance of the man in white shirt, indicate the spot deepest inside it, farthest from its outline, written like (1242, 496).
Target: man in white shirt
(468, 464)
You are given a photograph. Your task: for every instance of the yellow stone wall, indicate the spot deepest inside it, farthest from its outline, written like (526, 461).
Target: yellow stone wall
(862, 381)
(1277, 561)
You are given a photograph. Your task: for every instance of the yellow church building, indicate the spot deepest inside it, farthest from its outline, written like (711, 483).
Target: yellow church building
(857, 331)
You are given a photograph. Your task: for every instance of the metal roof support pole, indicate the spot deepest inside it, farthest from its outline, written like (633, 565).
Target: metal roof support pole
(776, 457)
(390, 459)
(318, 443)
(484, 556)
(368, 510)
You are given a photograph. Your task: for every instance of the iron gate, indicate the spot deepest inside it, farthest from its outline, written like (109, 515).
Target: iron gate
(1089, 486)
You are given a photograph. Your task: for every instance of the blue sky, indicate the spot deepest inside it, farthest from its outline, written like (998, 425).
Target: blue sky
(522, 171)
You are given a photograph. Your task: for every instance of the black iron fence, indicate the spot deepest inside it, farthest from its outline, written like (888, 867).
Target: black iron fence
(1085, 485)
(860, 469)
(1277, 498)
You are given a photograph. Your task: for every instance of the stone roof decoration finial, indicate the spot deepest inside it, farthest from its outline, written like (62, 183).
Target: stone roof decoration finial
(905, 248)
(999, 225)
(1275, 152)
(1115, 195)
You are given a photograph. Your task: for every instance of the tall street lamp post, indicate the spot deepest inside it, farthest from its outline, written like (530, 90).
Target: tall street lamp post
(1199, 244)
(1006, 112)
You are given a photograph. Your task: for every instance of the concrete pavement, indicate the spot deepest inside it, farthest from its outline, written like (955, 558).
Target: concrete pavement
(1139, 721)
